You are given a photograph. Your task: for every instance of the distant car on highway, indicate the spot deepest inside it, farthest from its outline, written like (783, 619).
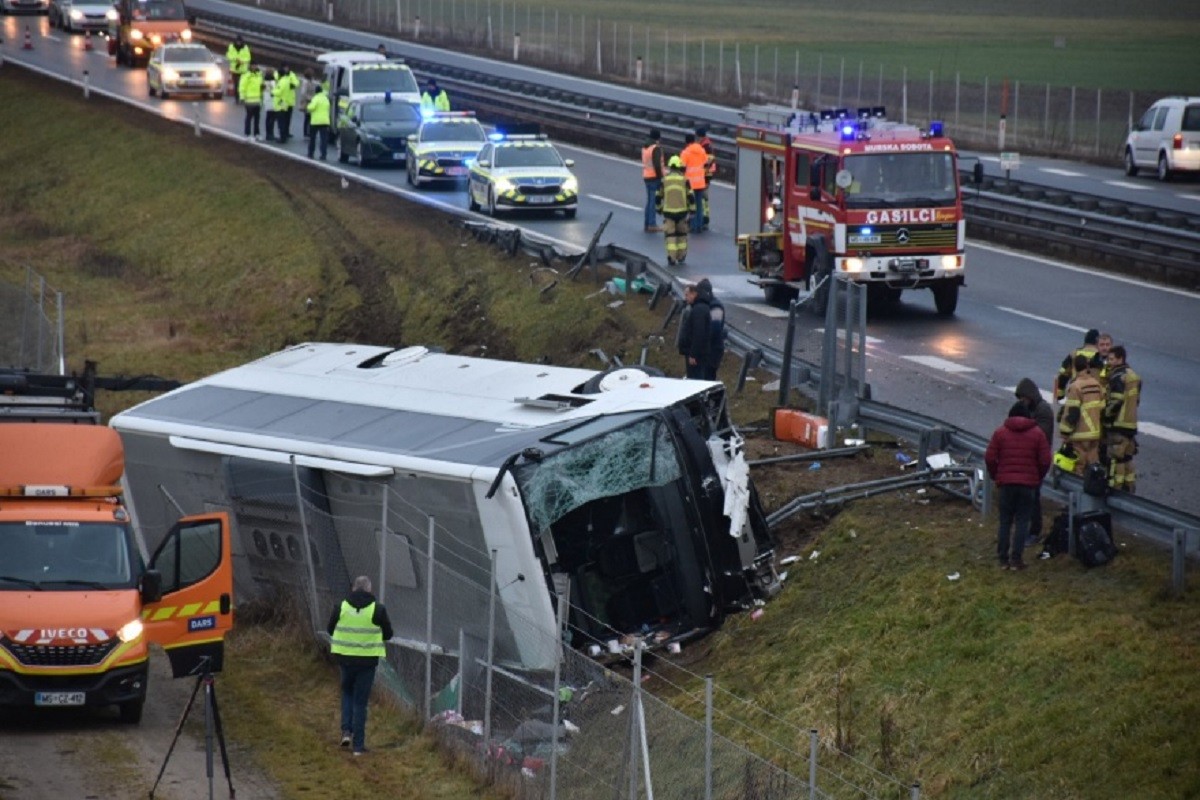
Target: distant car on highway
(443, 147)
(522, 173)
(1166, 139)
(184, 69)
(76, 16)
(26, 6)
(376, 131)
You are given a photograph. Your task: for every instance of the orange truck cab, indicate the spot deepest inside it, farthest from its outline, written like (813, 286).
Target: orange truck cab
(141, 26)
(78, 608)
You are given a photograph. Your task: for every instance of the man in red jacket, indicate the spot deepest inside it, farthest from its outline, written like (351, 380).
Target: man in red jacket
(1017, 458)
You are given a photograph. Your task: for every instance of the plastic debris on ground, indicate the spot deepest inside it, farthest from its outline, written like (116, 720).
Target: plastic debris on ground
(953, 576)
(939, 460)
(813, 556)
(783, 562)
(903, 458)
(814, 466)
(756, 613)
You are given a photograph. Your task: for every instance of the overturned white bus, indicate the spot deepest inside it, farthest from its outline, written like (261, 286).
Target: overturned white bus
(336, 460)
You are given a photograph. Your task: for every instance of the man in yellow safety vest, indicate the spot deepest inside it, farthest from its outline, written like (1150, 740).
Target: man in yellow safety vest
(358, 629)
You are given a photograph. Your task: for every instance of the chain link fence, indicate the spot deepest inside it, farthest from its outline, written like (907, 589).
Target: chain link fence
(1071, 121)
(31, 322)
(582, 728)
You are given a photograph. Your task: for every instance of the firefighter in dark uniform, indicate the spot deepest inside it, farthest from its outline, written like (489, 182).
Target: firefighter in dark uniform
(1120, 420)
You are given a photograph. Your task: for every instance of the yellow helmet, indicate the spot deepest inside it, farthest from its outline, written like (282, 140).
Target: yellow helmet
(675, 162)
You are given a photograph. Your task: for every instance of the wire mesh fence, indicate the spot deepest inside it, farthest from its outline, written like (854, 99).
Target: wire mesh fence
(31, 335)
(506, 693)
(1037, 117)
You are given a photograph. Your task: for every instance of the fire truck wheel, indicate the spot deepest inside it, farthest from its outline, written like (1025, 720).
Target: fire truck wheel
(131, 712)
(945, 297)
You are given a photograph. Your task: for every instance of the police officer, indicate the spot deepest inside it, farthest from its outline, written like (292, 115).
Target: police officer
(434, 98)
(285, 101)
(1120, 420)
(652, 176)
(1066, 372)
(318, 122)
(1081, 416)
(250, 91)
(358, 629)
(238, 56)
(676, 201)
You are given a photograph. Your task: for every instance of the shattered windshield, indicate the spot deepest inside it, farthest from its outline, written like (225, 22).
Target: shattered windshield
(630, 458)
(897, 180)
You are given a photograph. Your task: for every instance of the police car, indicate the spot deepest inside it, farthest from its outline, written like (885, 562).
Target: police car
(443, 146)
(519, 173)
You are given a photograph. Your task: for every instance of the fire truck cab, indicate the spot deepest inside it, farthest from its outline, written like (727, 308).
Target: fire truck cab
(848, 196)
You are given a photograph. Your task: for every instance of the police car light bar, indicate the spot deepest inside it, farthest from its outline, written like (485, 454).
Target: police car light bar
(452, 114)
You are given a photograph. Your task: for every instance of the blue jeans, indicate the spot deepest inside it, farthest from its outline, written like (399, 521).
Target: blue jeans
(1015, 506)
(698, 217)
(652, 186)
(356, 691)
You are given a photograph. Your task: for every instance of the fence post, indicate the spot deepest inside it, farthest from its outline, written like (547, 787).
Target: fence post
(841, 81)
(383, 528)
(308, 551)
(62, 341)
(517, 46)
(1178, 561)
(1071, 125)
(562, 624)
(633, 721)
(1097, 122)
(417, 27)
(957, 97)
(985, 107)
(820, 64)
(429, 625)
(708, 736)
(637, 71)
(737, 67)
(915, 792)
(812, 764)
(491, 643)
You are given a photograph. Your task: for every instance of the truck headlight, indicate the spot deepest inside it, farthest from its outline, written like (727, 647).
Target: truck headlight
(952, 262)
(135, 34)
(130, 630)
(852, 265)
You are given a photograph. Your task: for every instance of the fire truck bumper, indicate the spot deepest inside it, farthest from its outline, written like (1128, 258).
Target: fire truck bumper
(904, 270)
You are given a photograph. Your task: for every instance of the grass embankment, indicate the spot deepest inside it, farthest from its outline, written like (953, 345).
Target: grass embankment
(1052, 683)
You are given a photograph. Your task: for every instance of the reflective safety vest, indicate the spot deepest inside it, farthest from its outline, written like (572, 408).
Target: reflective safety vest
(239, 59)
(285, 91)
(695, 160)
(1066, 373)
(1083, 410)
(1124, 393)
(675, 197)
(355, 634)
(651, 162)
(318, 109)
(250, 88)
(439, 103)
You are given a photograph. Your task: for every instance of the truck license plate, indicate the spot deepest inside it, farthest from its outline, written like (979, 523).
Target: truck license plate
(59, 698)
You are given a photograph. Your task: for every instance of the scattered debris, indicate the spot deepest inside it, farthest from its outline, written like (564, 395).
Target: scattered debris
(783, 562)
(813, 555)
(953, 576)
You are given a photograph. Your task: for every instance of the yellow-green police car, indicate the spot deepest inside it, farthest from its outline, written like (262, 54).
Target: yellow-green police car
(443, 146)
(522, 173)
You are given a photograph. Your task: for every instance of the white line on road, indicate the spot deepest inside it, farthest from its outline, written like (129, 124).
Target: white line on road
(935, 362)
(1128, 185)
(1064, 172)
(1189, 196)
(617, 203)
(1170, 434)
(1046, 320)
(765, 310)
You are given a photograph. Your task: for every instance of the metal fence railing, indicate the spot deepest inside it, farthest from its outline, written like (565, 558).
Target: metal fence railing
(31, 322)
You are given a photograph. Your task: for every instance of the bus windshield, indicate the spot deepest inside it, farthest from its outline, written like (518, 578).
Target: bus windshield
(66, 555)
(899, 180)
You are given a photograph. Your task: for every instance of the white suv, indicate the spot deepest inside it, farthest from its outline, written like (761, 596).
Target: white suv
(1167, 138)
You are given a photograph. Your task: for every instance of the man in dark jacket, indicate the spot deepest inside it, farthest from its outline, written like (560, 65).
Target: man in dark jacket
(716, 329)
(1043, 414)
(1017, 458)
(358, 629)
(695, 334)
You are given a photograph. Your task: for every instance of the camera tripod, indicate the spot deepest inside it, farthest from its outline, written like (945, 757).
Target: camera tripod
(212, 728)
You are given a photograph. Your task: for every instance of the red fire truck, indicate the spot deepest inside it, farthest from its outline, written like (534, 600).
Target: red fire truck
(848, 195)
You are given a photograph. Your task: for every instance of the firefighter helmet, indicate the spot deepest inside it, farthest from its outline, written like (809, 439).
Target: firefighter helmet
(675, 162)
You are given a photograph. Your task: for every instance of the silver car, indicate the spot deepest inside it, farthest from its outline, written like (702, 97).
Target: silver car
(85, 16)
(178, 68)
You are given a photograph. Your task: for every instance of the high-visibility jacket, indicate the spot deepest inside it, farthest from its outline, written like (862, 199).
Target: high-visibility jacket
(1066, 372)
(652, 163)
(1124, 393)
(694, 161)
(439, 103)
(710, 166)
(356, 634)
(250, 88)
(285, 91)
(238, 58)
(1083, 410)
(674, 198)
(318, 109)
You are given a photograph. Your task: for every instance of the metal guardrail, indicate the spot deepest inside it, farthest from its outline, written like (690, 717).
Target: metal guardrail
(594, 119)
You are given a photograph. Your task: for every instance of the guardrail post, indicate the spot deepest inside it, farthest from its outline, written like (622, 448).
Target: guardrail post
(785, 369)
(637, 71)
(915, 792)
(417, 27)
(87, 85)
(329, 11)
(750, 361)
(516, 47)
(1178, 560)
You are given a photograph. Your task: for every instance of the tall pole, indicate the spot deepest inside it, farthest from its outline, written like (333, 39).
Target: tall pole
(429, 572)
(491, 643)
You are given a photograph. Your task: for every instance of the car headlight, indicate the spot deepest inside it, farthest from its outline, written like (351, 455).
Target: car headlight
(155, 39)
(503, 185)
(130, 630)
(571, 185)
(76, 14)
(111, 15)
(169, 74)
(213, 75)
(135, 34)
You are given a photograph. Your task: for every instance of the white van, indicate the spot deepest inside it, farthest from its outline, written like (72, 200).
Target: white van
(1166, 139)
(364, 75)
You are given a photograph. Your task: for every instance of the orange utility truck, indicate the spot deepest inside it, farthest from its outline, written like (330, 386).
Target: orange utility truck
(78, 606)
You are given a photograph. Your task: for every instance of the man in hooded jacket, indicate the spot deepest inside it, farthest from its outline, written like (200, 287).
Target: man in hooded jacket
(1017, 459)
(695, 334)
(1043, 414)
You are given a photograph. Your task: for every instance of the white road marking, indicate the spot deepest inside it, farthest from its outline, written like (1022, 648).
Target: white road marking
(1064, 172)
(1128, 185)
(936, 362)
(841, 334)
(1189, 196)
(765, 310)
(989, 158)
(1046, 320)
(1084, 270)
(1170, 434)
(617, 203)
